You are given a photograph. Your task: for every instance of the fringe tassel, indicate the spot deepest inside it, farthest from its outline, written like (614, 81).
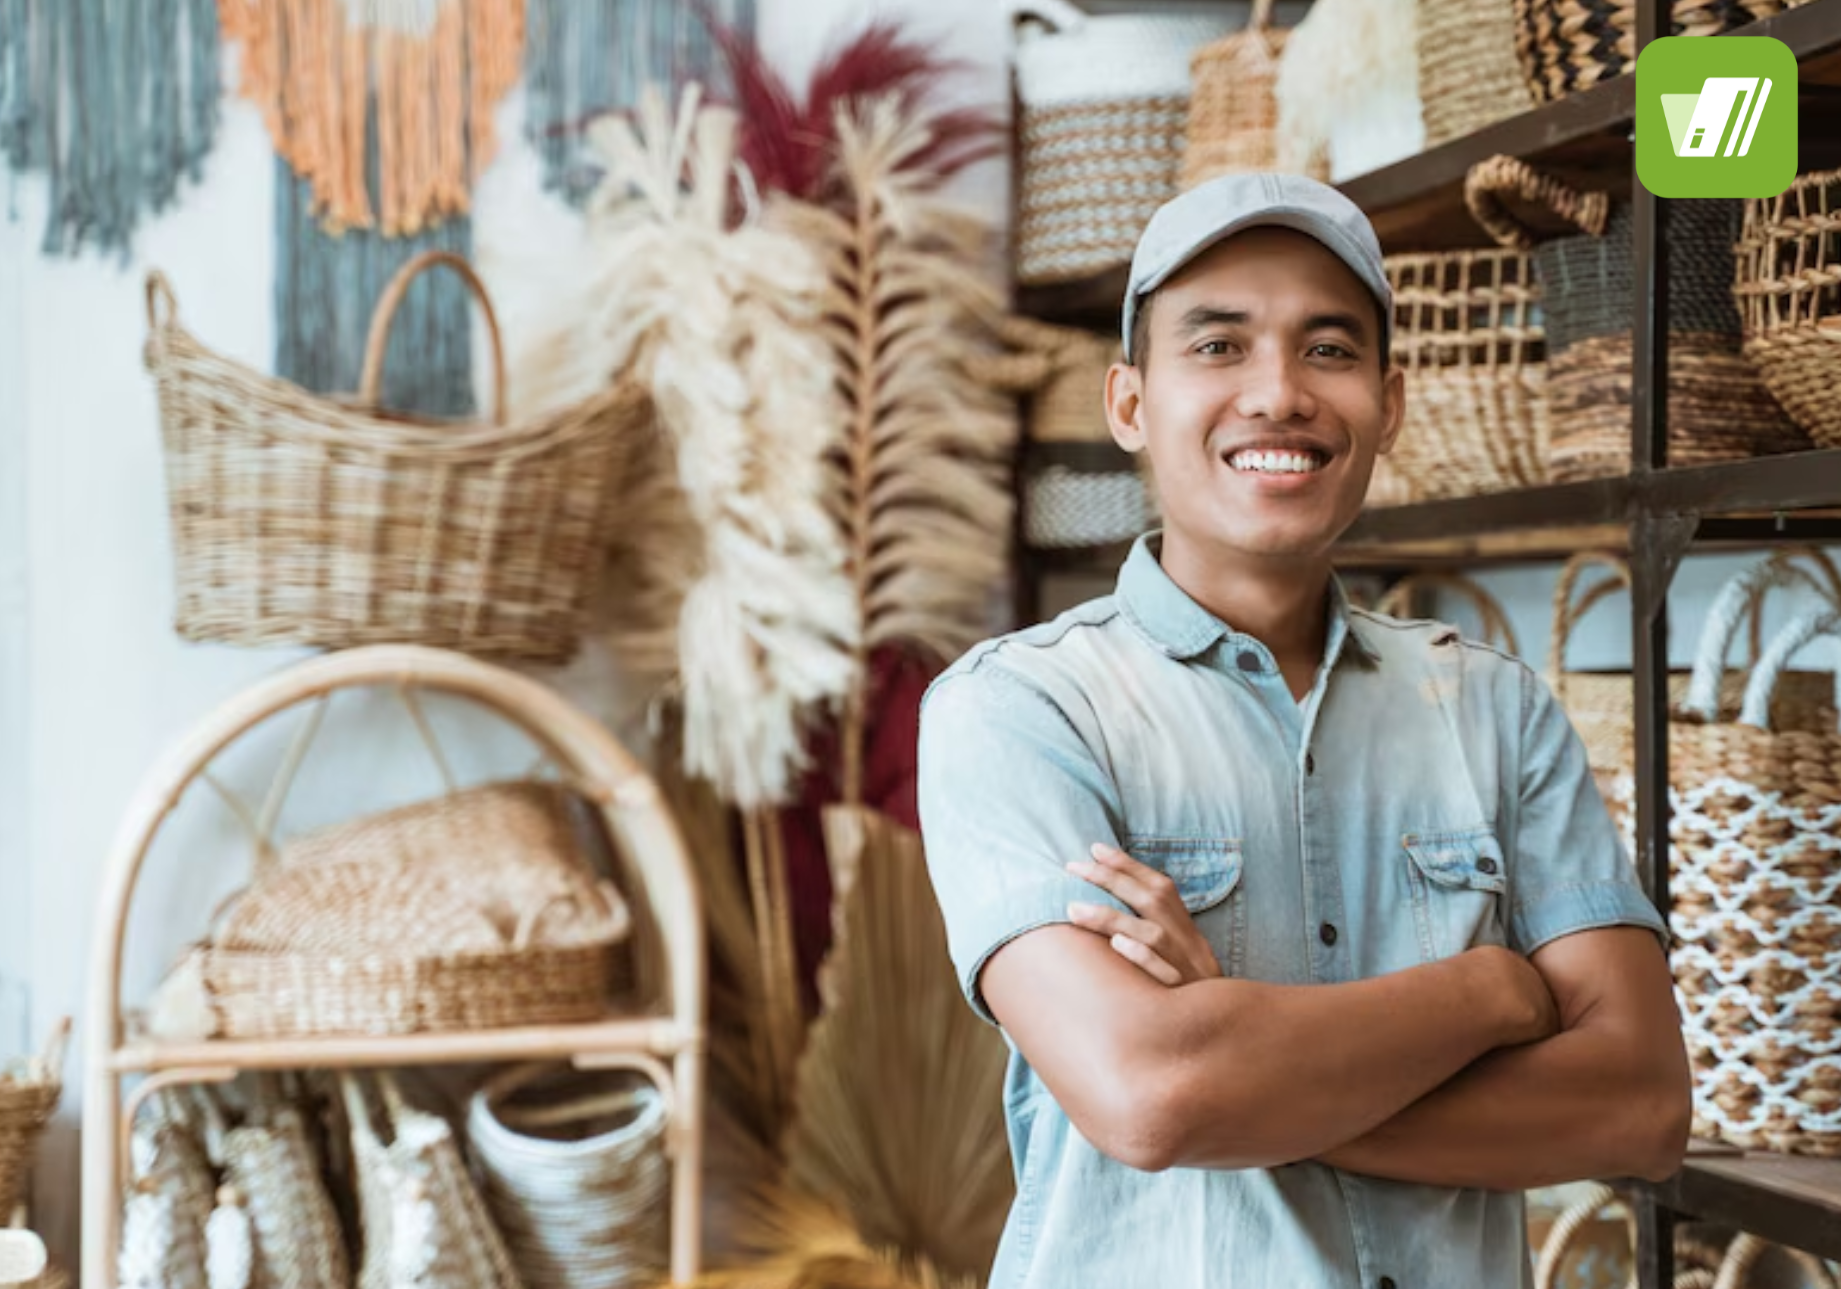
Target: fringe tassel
(585, 58)
(433, 70)
(114, 100)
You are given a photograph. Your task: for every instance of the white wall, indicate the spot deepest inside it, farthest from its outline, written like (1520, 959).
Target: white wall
(93, 681)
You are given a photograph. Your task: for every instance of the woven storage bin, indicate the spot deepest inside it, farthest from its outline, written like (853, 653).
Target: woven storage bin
(1718, 410)
(1569, 45)
(1060, 372)
(1468, 334)
(301, 519)
(1789, 291)
(1104, 103)
(1065, 508)
(1233, 115)
(1387, 486)
(574, 1170)
(472, 910)
(1469, 76)
(29, 1092)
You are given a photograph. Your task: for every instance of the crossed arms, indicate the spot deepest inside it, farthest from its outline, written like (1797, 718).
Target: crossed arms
(1485, 1069)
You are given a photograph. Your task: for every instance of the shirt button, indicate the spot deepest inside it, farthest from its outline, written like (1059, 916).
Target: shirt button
(1486, 865)
(1327, 933)
(1310, 763)
(1248, 660)
(1387, 1282)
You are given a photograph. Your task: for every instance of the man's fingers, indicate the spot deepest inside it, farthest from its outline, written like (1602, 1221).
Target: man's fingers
(1135, 951)
(1135, 886)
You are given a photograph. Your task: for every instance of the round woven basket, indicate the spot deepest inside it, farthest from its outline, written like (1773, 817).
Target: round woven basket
(575, 1173)
(1233, 113)
(1468, 335)
(1468, 73)
(1103, 108)
(303, 519)
(1789, 292)
(1718, 410)
(1569, 45)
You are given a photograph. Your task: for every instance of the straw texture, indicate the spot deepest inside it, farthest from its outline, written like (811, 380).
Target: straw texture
(1565, 46)
(29, 1092)
(1233, 111)
(1789, 292)
(1468, 73)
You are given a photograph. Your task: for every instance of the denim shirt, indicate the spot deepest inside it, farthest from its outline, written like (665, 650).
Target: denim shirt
(1426, 796)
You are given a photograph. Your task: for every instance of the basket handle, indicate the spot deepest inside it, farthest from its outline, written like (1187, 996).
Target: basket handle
(1501, 176)
(162, 304)
(371, 382)
(1743, 594)
(1756, 710)
(1566, 1230)
(532, 918)
(1735, 1268)
(1057, 17)
(1261, 17)
(1496, 623)
(1566, 613)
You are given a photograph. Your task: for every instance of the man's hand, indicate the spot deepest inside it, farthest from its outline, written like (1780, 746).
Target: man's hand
(1533, 1013)
(1162, 939)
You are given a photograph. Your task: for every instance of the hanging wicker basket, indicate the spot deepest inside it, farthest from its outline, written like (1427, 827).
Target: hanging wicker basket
(1233, 114)
(1565, 46)
(1468, 335)
(1104, 101)
(302, 519)
(1789, 291)
(1468, 73)
(1718, 410)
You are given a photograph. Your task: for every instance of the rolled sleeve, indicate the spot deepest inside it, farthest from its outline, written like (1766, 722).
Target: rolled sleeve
(1571, 872)
(1009, 792)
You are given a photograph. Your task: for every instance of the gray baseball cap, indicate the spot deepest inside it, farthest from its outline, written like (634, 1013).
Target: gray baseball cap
(1190, 223)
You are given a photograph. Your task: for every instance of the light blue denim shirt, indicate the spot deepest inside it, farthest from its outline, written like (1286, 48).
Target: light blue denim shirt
(1427, 795)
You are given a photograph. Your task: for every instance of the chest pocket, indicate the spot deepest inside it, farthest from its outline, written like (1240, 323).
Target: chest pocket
(1459, 881)
(1208, 875)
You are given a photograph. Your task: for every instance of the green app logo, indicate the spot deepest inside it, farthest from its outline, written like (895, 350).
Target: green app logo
(1716, 116)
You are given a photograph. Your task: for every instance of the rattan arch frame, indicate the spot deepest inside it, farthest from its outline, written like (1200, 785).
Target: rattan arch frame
(638, 820)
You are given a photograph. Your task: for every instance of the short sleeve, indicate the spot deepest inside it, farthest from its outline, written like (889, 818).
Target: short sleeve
(1009, 792)
(1570, 872)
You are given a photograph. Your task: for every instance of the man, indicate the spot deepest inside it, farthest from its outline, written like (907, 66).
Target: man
(1311, 938)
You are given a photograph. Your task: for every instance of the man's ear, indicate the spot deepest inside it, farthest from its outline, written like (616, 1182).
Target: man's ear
(1393, 405)
(1124, 406)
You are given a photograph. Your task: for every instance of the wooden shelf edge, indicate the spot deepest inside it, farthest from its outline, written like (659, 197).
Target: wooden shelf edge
(1793, 1200)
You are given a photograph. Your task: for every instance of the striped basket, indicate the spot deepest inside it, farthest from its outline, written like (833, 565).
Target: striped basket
(1104, 111)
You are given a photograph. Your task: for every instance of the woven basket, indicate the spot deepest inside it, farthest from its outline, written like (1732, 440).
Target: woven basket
(1789, 291)
(472, 910)
(1059, 371)
(1104, 101)
(1755, 823)
(1468, 73)
(1718, 410)
(1065, 509)
(1492, 621)
(29, 1092)
(574, 1170)
(1569, 45)
(271, 1163)
(1468, 335)
(1233, 114)
(301, 519)
(1387, 486)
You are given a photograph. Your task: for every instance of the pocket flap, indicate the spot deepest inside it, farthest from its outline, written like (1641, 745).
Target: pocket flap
(1205, 870)
(1466, 859)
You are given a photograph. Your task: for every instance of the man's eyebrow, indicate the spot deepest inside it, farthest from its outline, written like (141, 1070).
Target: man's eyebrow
(1204, 316)
(1349, 322)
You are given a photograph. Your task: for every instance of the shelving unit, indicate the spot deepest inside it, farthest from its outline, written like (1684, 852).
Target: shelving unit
(1655, 514)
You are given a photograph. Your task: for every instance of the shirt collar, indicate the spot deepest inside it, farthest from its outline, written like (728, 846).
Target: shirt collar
(1165, 615)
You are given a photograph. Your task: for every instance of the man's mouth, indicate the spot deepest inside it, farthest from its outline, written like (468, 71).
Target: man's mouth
(1261, 461)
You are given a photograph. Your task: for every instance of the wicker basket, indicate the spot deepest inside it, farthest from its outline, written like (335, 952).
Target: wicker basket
(1718, 410)
(1059, 371)
(1233, 114)
(1387, 486)
(1468, 74)
(1789, 291)
(1569, 45)
(574, 1170)
(1468, 334)
(29, 1093)
(1104, 101)
(302, 519)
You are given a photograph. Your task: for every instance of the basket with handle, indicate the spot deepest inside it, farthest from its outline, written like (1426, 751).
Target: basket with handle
(1789, 292)
(574, 1170)
(1233, 112)
(1492, 621)
(1718, 409)
(1104, 101)
(1468, 335)
(1565, 46)
(29, 1092)
(298, 518)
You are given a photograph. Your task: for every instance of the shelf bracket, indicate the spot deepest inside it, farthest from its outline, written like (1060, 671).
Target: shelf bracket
(1656, 548)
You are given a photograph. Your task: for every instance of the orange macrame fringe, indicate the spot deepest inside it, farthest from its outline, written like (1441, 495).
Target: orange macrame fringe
(314, 74)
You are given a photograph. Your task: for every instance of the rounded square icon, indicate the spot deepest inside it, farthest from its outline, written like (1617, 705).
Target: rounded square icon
(1716, 116)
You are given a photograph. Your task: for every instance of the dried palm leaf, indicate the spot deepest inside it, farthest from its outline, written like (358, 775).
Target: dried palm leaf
(922, 482)
(900, 1120)
(722, 324)
(800, 1242)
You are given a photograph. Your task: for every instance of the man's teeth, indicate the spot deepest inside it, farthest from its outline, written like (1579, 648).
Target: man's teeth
(1276, 462)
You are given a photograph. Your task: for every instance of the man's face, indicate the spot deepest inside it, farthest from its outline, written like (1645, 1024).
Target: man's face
(1260, 397)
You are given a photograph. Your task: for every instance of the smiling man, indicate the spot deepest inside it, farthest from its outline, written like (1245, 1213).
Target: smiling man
(1310, 936)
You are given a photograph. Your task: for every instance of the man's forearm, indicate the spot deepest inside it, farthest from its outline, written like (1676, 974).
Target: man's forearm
(1250, 1075)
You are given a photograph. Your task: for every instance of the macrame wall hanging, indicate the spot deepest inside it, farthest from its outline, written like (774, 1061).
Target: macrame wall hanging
(588, 57)
(115, 101)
